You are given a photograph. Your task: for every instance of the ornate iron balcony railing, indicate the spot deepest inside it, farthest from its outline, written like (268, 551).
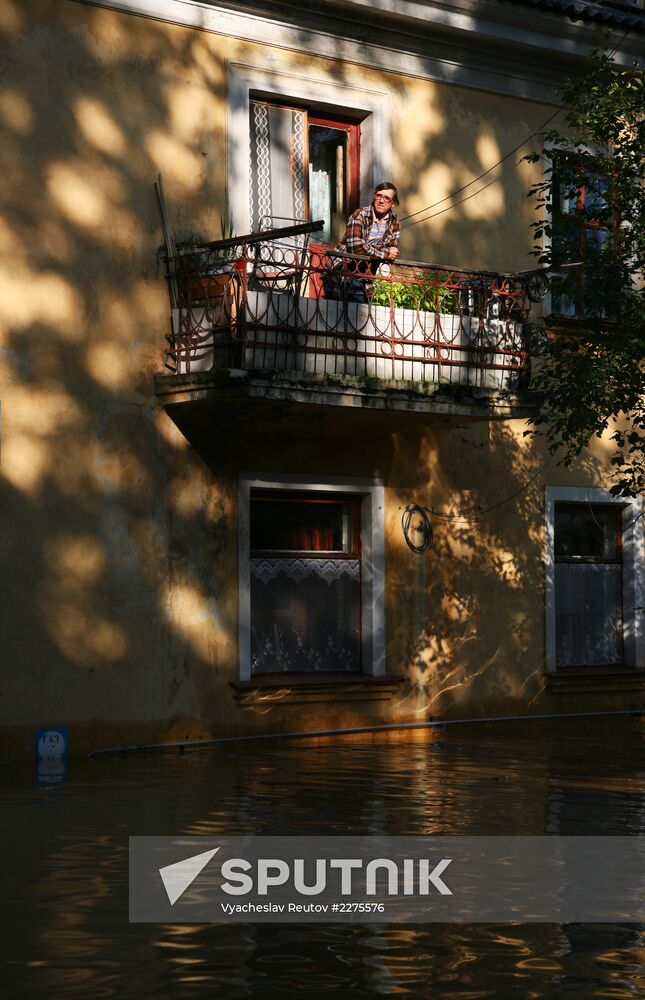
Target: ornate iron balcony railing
(271, 302)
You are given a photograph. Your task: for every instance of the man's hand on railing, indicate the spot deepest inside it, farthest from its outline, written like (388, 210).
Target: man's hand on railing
(391, 253)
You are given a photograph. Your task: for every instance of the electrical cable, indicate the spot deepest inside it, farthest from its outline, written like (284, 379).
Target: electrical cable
(449, 208)
(405, 219)
(425, 528)
(482, 175)
(476, 513)
(612, 52)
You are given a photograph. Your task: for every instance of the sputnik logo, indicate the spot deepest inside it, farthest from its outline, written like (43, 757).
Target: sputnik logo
(270, 873)
(178, 877)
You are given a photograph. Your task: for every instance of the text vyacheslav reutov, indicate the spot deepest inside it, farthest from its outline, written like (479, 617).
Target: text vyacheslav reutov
(387, 879)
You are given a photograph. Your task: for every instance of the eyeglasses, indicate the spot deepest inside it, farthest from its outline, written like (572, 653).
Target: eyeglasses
(382, 197)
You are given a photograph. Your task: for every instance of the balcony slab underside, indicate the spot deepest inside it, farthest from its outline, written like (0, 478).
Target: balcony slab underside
(237, 385)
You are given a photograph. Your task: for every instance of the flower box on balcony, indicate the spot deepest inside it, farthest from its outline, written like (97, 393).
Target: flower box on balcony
(321, 336)
(204, 324)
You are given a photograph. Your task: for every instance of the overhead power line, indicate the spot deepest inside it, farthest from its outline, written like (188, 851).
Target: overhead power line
(464, 187)
(477, 512)
(449, 208)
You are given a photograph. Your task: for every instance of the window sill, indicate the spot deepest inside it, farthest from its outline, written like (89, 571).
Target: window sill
(595, 679)
(307, 689)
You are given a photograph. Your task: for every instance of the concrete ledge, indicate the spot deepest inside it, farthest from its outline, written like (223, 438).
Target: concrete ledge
(344, 391)
(306, 689)
(595, 681)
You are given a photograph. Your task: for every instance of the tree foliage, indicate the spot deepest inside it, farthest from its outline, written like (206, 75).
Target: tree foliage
(594, 185)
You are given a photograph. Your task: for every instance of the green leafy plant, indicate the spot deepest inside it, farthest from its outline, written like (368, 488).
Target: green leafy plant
(592, 380)
(192, 240)
(195, 240)
(422, 293)
(227, 229)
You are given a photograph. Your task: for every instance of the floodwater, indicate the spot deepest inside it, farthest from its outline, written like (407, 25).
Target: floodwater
(65, 871)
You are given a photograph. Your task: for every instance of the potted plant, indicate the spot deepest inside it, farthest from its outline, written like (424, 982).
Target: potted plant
(205, 271)
(422, 294)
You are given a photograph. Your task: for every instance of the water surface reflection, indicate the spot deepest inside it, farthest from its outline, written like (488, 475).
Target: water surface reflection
(66, 931)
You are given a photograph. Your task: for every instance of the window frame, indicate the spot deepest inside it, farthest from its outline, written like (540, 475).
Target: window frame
(633, 574)
(371, 493)
(582, 225)
(352, 129)
(350, 126)
(579, 560)
(371, 107)
(591, 560)
(292, 496)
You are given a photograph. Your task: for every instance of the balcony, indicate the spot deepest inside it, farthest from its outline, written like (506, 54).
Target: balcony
(273, 313)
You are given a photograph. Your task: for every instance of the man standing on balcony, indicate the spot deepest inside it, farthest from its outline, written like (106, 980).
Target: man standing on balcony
(373, 232)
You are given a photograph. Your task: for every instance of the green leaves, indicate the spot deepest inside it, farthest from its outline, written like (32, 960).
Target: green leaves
(420, 293)
(592, 199)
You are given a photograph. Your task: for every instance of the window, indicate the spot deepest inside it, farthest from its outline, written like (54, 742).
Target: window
(588, 585)
(594, 578)
(305, 583)
(311, 569)
(366, 108)
(302, 167)
(580, 232)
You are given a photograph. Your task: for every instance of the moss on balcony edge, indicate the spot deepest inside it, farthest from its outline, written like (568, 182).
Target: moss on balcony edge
(364, 385)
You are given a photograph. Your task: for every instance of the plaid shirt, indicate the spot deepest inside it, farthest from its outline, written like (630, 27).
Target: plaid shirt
(357, 233)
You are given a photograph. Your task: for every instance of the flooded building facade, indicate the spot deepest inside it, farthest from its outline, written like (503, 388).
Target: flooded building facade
(248, 507)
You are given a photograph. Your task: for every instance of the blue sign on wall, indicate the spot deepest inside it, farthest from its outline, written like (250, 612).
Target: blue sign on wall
(51, 744)
(50, 747)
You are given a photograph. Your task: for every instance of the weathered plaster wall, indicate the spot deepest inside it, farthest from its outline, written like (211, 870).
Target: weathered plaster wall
(465, 623)
(119, 549)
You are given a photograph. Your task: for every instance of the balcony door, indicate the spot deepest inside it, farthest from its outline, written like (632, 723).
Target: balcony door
(303, 166)
(333, 174)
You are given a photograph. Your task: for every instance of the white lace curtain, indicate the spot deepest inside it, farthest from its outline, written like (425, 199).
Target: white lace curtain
(277, 168)
(305, 615)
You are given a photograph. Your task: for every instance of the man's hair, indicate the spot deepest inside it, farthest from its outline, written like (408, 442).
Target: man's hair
(388, 186)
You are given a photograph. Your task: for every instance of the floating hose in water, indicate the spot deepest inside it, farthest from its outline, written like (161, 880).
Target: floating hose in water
(351, 730)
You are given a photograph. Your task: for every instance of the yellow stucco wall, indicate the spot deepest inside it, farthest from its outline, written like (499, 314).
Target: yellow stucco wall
(119, 549)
